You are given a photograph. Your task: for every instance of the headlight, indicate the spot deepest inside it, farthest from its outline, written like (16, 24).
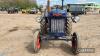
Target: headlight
(76, 19)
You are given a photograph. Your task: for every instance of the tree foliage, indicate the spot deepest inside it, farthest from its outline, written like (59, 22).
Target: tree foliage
(18, 3)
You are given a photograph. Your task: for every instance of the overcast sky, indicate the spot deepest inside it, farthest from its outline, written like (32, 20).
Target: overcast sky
(43, 2)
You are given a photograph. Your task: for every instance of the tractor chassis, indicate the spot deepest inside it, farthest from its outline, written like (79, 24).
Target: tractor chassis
(48, 37)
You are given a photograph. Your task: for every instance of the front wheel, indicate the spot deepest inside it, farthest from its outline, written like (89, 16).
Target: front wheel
(36, 42)
(75, 43)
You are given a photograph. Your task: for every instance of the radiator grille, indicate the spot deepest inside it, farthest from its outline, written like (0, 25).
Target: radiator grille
(57, 25)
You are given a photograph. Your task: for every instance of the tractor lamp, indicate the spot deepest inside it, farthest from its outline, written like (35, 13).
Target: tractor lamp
(75, 19)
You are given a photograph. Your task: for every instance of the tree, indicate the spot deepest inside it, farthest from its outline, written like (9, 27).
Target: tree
(18, 3)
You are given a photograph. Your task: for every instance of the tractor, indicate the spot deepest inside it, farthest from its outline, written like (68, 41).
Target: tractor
(56, 24)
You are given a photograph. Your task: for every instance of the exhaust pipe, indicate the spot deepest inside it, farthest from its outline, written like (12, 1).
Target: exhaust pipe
(48, 6)
(62, 4)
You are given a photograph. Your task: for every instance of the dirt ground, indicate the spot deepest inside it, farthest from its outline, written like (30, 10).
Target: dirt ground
(16, 36)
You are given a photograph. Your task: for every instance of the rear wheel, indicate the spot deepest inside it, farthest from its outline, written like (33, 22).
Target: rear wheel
(43, 27)
(75, 43)
(69, 26)
(36, 42)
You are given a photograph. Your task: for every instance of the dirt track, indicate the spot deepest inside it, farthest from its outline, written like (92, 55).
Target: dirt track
(16, 36)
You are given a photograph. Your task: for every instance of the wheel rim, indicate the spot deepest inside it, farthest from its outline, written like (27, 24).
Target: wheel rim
(38, 41)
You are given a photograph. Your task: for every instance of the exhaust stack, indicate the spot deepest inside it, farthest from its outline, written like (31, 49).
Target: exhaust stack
(62, 4)
(48, 6)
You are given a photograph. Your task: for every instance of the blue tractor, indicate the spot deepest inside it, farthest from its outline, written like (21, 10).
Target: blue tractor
(56, 24)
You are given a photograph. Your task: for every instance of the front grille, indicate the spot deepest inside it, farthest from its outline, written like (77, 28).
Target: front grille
(57, 25)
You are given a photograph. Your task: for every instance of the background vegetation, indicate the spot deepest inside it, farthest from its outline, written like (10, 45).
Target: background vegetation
(24, 4)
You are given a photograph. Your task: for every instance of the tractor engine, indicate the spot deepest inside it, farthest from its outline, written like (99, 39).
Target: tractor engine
(56, 20)
(57, 23)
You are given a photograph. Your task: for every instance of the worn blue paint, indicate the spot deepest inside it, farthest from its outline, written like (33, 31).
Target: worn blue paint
(58, 11)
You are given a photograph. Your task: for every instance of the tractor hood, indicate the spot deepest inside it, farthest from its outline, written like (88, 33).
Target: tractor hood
(58, 12)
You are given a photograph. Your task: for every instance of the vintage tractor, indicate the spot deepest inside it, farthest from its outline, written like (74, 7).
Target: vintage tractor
(56, 24)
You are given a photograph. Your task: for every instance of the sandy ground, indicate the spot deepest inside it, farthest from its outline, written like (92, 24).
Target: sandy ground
(16, 36)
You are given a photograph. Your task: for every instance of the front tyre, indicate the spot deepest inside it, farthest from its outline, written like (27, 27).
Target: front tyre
(75, 43)
(36, 42)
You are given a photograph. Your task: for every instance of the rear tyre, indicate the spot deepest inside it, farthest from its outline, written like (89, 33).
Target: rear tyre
(75, 43)
(36, 42)
(43, 27)
(69, 26)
